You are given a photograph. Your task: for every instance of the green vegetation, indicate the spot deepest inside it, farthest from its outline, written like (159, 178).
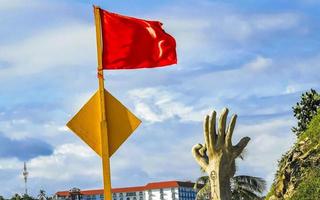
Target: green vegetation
(271, 192)
(16, 197)
(247, 187)
(313, 131)
(24, 197)
(27, 197)
(298, 174)
(305, 110)
(309, 189)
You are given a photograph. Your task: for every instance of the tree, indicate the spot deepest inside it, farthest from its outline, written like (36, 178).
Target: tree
(27, 197)
(247, 187)
(242, 188)
(16, 197)
(217, 156)
(1, 197)
(202, 186)
(305, 110)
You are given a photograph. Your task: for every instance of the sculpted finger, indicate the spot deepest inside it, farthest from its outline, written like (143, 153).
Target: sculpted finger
(212, 128)
(206, 131)
(229, 134)
(222, 126)
(240, 146)
(203, 150)
(202, 161)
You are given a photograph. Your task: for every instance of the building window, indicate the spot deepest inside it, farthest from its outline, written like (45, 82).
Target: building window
(150, 194)
(161, 194)
(173, 193)
(130, 194)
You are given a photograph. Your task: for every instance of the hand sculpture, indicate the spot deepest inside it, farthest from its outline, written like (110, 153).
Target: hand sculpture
(217, 156)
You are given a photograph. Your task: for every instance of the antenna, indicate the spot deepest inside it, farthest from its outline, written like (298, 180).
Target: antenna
(25, 176)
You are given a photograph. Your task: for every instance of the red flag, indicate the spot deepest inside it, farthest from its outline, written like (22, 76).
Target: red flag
(130, 43)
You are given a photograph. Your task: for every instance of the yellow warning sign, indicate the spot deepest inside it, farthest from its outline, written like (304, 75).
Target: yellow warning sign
(120, 121)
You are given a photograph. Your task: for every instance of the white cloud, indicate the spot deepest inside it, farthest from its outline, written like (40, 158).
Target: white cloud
(291, 89)
(69, 163)
(156, 105)
(202, 36)
(239, 27)
(176, 162)
(259, 63)
(221, 33)
(9, 163)
(7, 5)
(275, 22)
(26, 128)
(67, 46)
(66, 162)
(227, 24)
(269, 140)
(63, 128)
(16, 128)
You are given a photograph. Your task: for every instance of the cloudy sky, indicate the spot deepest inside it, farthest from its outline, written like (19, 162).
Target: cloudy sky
(254, 57)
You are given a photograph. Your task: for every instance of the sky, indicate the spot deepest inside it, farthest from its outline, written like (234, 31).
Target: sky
(254, 57)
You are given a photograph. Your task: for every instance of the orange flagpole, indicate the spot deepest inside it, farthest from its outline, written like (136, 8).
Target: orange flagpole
(103, 123)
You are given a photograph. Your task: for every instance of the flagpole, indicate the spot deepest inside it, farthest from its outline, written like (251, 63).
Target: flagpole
(103, 123)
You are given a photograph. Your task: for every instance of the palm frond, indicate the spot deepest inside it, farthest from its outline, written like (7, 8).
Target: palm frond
(241, 194)
(202, 170)
(242, 187)
(204, 193)
(201, 181)
(251, 183)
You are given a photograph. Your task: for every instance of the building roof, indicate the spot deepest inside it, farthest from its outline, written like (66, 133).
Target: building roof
(127, 189)
(158, 185)
(149, 186)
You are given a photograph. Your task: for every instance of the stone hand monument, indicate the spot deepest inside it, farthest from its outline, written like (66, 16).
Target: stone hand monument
(217, 155)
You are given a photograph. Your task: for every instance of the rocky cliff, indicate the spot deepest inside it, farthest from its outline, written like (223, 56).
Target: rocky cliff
(298, 166)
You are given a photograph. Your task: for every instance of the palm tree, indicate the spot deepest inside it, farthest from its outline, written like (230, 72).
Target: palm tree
(247, 187)
(202, 185)
(242, 188)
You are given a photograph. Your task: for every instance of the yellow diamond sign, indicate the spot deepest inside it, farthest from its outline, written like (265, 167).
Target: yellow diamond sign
(120, 121)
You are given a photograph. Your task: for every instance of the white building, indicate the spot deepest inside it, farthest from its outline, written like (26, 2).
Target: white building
(167, 190)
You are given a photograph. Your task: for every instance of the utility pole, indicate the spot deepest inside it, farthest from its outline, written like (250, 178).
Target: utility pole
(25, 176)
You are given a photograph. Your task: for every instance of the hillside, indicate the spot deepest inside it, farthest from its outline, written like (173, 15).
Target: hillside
(298, 174)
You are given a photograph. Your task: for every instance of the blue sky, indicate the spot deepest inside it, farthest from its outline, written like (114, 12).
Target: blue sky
(254, 57)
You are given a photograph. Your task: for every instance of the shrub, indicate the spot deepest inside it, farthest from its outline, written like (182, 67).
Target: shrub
(313, 131)
(309, 189)
(305, 110)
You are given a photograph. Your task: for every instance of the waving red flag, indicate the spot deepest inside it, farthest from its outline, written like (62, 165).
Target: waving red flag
(130, 43)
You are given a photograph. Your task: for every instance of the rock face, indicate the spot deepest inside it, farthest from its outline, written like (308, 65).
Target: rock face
(293, 168)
